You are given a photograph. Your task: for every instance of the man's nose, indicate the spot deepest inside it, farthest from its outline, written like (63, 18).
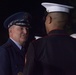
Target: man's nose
(25, 30)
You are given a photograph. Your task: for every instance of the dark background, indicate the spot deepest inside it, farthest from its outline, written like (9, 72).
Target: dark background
(34, 7)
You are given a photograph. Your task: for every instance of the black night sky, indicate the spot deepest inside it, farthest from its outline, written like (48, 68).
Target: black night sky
(9, 7)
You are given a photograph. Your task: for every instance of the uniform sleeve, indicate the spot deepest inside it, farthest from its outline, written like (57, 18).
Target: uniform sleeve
(29, 65)
(4, 62)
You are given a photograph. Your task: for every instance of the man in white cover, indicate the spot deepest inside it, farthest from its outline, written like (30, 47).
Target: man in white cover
(54, 54)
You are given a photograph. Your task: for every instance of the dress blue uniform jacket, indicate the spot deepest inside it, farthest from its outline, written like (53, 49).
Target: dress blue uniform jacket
(11, 59)
(54, 54)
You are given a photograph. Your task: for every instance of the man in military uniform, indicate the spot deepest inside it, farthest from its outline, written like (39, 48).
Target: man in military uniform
(54, 54)
(12, 53)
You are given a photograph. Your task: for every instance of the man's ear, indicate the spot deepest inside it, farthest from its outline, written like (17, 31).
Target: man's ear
(50, 19)
(10, 29)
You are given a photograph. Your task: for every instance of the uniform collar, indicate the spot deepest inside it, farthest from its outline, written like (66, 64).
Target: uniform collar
(58, 32)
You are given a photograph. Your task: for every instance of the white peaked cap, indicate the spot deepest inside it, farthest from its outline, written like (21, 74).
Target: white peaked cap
(53, 7)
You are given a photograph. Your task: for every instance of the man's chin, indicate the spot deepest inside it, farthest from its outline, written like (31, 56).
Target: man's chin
(22, 42)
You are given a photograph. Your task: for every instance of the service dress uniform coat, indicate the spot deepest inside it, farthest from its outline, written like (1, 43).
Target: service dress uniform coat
(54, 54)
(11, 59)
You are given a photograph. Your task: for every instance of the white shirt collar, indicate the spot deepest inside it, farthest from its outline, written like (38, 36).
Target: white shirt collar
(19, 46)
